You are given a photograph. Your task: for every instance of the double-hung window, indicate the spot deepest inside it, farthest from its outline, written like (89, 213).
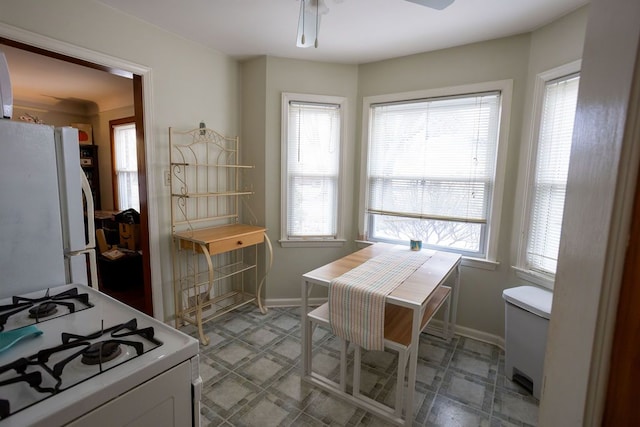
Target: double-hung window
(125, 164)
(312, 133)
(435, 165)
(548, 165)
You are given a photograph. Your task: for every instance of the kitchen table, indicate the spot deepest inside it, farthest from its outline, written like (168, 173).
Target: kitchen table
(416, 296)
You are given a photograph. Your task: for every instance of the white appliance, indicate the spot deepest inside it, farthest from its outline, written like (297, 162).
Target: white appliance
(6, 93)
(70, 355)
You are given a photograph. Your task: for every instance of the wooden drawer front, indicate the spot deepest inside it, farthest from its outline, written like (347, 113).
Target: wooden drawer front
(226, 245)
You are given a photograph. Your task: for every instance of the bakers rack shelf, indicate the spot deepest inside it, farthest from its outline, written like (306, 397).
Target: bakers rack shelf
(215, 257)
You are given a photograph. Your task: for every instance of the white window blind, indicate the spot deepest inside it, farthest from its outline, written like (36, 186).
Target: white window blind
(313, 159)
(432, 169)
(126, 163)
(550, 178)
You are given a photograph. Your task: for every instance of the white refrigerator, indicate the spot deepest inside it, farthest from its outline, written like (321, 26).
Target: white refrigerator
(46, 210)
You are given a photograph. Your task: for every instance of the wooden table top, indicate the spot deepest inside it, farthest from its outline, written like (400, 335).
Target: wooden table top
(413, 291)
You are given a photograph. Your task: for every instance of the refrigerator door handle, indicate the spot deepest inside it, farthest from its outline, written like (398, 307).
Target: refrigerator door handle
(93, 266)
(91, 224)
(91, 235)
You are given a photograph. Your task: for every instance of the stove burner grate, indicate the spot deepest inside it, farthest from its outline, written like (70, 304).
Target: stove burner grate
(63, 299)
(34, 379)
(37, 370)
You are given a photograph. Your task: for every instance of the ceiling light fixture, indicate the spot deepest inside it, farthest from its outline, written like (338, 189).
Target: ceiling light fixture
(312, 10)
(309, 22)
(433, 4)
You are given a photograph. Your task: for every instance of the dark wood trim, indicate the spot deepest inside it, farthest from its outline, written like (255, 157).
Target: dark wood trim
(622, 402)
(114, 174)
(66, 58)
(138, 103)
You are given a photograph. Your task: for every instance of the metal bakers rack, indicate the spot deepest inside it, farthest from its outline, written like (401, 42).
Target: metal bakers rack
(215, 257)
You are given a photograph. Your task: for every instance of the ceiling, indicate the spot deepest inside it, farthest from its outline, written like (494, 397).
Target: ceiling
(351, 32)
(42, 82)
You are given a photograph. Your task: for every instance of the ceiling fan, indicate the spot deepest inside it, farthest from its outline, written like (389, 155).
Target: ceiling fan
(433, 4)
(312, 10)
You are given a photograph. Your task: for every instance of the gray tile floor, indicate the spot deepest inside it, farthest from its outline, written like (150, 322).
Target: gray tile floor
(251, 378)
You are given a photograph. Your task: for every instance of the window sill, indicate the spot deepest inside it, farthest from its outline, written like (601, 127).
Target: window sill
(480, 263)
(533, 277)
(312, 243)
(483, 264)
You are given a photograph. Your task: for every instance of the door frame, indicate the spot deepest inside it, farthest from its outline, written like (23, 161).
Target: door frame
(598, 211)
(137, 120)
(142, 89)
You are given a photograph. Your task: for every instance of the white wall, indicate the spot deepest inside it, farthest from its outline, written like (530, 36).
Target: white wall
(188, 83)
(274, 76)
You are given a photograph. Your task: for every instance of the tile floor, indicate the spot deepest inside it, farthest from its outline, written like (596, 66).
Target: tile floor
(251, 378)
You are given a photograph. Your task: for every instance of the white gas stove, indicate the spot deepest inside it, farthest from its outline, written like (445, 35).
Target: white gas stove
(87, 359)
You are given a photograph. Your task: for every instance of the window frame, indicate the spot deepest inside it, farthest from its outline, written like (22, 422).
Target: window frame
(114, 170)
(505, 87)
(527, 173)
(285, 239)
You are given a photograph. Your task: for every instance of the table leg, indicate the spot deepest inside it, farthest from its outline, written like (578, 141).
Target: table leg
(344, 347)
(305, 331)
(357, 366)
(402, 367)
(413, 363)
(454, 302)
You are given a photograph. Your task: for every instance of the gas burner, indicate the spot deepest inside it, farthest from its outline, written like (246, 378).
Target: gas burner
(14, 315)
(90, 352)
(45, 309)
(101, 352)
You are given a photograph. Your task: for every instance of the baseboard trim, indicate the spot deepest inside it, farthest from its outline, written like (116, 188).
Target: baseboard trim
(293, 302)
(437, 324)
(466, 332)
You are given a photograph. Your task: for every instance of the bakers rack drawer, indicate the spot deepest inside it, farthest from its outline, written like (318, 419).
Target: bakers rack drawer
(236, 242)
(222, 239)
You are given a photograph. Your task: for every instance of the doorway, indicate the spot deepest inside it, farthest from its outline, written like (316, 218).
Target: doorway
(144, 302)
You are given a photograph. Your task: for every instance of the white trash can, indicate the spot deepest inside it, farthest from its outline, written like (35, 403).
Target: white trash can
(527, 313)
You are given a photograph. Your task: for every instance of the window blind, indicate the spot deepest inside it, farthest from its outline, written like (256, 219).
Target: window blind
(434, 160)
(313, 158)
(550, 179)
(126, 157)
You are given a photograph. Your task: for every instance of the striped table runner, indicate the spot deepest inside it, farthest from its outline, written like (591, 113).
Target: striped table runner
(356, 299)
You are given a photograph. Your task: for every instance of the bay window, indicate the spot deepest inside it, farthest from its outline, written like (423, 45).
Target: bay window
(434, 168)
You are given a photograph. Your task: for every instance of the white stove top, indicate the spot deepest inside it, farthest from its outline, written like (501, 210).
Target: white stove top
(136, 363)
